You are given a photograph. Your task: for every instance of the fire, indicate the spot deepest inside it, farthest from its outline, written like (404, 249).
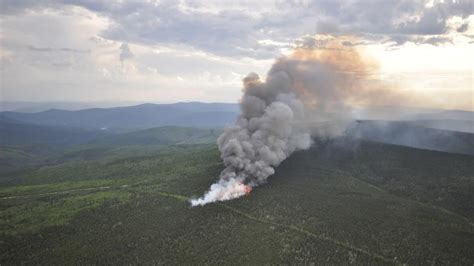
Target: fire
(247, 189)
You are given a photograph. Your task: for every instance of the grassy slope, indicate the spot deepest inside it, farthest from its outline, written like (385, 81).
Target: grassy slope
(324, 205)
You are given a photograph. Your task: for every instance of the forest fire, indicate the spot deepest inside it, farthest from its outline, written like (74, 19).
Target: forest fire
(247, 189)
(308, 84)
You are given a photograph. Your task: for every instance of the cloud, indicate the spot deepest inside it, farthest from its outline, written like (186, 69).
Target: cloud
(125, 52)
(463, 27)
(61, 54)
(50, 49)
(437, 40)
(82, 48)
(420, 39)
(238, 28)
(235, 30)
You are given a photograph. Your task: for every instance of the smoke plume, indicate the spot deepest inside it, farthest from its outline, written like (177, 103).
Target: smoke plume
(314, 84)
(266, 133)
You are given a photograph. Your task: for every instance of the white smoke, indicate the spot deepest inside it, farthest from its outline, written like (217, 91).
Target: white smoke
(268, 130)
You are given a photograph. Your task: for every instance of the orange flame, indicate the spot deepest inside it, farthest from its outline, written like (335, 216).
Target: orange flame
(247, 189)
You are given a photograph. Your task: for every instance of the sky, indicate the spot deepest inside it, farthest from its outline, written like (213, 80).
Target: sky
(173, 51)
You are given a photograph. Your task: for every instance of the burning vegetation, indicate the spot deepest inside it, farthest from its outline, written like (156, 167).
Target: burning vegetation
(317, 79)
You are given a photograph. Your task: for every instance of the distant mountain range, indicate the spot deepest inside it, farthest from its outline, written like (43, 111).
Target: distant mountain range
(196, 122)
(216, 115)
(91, 133)
(192, 114)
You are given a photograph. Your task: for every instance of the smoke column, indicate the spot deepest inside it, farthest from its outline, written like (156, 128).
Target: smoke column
(307, 86)
(266, 133)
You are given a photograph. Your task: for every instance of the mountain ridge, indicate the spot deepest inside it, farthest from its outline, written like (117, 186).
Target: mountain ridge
(134, 117)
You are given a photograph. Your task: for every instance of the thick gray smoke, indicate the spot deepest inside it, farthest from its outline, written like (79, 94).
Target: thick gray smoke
(318, 90)
(306, 88)
(268, 130)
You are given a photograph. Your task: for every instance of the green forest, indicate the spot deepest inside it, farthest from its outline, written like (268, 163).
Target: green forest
(120, 202)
